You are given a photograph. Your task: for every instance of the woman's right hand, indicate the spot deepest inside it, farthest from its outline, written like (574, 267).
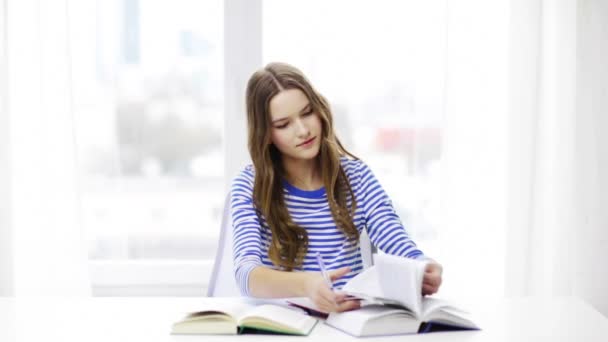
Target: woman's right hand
(324, 297)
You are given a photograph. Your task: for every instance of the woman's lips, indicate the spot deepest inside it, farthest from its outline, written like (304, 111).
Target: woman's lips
(307, 142)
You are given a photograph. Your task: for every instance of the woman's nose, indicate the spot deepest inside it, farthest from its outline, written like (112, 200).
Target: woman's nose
(301, 128)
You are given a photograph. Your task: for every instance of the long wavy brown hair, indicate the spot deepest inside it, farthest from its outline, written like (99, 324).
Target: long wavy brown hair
(290, 241)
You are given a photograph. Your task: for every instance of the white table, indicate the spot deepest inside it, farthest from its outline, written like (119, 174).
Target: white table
(150, 319)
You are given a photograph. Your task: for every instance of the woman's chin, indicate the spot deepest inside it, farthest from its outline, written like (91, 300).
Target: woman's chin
(305, 155)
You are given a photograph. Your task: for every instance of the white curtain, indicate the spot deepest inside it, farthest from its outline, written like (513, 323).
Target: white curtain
(49, 247)
(555, 225)
(542, 202)
(522, 190)
(471, 238)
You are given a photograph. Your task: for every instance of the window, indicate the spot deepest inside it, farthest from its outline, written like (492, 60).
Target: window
(149, 98)
(150, 103)
(148, 79)
(383, 71)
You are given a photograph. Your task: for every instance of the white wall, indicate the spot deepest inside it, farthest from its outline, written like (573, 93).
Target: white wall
(592, 153)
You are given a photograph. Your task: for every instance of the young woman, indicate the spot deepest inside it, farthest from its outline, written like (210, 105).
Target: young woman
(306, 194)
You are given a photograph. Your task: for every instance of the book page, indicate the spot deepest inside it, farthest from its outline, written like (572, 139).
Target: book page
(452, 317)
(278, 319)
(216, 316)
(365, 284)
(442, 311)
(401, 279)
(366, 287)
(432, 304)
(220, 306)
(374, 320)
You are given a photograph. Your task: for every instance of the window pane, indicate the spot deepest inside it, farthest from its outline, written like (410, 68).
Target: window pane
(149, 105)
(383, 70)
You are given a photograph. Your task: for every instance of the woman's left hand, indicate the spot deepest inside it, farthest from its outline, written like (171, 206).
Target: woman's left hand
(432, 278)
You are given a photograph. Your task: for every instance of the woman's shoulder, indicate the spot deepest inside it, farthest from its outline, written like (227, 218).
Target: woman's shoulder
(245, 176)
(248, 169)
(353, 165)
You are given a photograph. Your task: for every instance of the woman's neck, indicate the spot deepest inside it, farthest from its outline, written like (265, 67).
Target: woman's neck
(303, 174)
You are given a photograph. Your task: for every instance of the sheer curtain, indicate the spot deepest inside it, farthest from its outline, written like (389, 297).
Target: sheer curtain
(542, 164)
(49, 253)
(555, 225)
(522, 191)
(542, 201)
(473, 187)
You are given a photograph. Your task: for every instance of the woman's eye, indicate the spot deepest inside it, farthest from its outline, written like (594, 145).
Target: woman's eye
(310, 112)
(281, 126)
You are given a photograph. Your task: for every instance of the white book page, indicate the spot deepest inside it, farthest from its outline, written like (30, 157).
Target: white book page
(286, 317)
(374, 320)
(365, 284)
(443, 311)
(401, 279)
(453, 317)
(218, 315)
(431, 304)
(226, 306)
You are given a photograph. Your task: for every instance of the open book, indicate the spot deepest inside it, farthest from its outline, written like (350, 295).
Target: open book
(392, 302)
(233, 317)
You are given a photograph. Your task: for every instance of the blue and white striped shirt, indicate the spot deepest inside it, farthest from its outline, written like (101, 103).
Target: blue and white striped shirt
(310, 210)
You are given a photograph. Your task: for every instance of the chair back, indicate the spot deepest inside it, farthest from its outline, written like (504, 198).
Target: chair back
(367, 249)
(222, 282)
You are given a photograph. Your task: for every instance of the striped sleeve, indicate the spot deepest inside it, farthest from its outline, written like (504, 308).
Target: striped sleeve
(382, 222)
(247, 238)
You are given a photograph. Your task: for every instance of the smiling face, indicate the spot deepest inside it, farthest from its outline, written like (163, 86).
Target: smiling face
(295, 126)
